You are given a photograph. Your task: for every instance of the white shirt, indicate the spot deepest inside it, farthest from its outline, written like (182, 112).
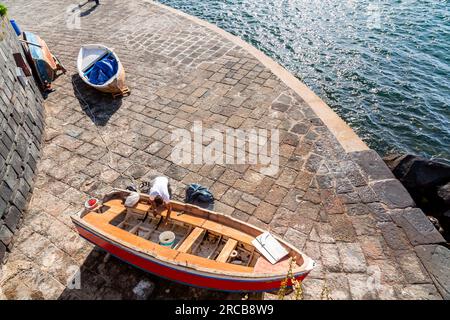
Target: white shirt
(160, 188)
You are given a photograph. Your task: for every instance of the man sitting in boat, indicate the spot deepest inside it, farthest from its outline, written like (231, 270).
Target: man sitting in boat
(161, 193)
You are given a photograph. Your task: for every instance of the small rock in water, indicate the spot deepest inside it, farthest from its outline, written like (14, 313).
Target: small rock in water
(143, 289)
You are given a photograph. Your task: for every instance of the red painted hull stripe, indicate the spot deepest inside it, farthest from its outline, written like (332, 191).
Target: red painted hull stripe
(189, 278)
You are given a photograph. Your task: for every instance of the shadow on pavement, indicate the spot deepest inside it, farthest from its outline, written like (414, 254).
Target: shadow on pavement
(98, 106)
(111, 278)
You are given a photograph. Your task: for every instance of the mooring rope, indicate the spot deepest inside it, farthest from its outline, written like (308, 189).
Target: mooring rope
(109, 152)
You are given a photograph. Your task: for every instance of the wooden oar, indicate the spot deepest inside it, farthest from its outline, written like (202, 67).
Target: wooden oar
(33, 44)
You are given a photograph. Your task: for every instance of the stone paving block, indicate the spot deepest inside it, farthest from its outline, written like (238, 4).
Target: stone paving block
(330, 257)
(223, 208)
(281, 221)
(56, 263)
(361, 287)
(342, 228)
(366, 194)
(251, 199)
(331, 202)
(245, 186)
(394, 236)
(313, 195)
(265, 212)
(5, 234)
(212, 171)
(12, 218)
(287, 178)
(417, 226)
(245, 206)
(301, 223)
(291, 200)
(231, 197)
(218, 189)
(386, 272)
(358, 209)
(364, 225)
(276, 195)
(373, 247)
(229, 177)
(337, 284)
(352, 257)
(373, 165)
(258, 222)
(386, 292)
(264, 187)
(312, 289)
(379, 212)
(419, 292)
(393, 194)
(436, 260)
(324, 232)
(296, 238)
(349, 198)
(412, 267)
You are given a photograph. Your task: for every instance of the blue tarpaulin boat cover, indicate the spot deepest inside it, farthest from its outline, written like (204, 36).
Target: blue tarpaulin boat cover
(103, 70)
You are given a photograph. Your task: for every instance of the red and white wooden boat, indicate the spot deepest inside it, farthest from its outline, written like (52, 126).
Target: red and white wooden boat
(210, 250)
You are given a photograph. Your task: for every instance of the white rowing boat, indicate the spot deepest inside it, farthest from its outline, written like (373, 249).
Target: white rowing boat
(89, 56)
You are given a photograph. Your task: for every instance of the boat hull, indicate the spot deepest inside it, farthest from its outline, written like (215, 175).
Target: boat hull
(183, 274)
(41, 59)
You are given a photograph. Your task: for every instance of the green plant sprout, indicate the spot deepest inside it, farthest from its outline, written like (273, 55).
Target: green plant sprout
(3, 10)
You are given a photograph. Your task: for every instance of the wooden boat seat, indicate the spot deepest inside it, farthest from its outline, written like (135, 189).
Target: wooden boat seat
(227, 250)
(228, 232)
(140, 208)
(114, 204)
(187, 244)
(185, 218)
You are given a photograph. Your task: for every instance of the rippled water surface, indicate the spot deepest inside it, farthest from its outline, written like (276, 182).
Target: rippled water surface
(383, 66)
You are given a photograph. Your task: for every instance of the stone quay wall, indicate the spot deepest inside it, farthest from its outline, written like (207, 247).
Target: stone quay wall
(21, 130)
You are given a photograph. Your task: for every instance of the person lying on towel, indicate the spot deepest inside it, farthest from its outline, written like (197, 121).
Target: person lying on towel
(160, 193)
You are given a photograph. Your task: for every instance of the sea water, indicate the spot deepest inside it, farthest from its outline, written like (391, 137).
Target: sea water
(383, 66)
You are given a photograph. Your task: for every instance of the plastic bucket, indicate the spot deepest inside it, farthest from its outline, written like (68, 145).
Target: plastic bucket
(91, 204)
(16, 27)
(167, 238)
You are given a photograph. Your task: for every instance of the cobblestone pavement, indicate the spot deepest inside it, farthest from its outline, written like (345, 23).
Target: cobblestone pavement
(343, 209)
